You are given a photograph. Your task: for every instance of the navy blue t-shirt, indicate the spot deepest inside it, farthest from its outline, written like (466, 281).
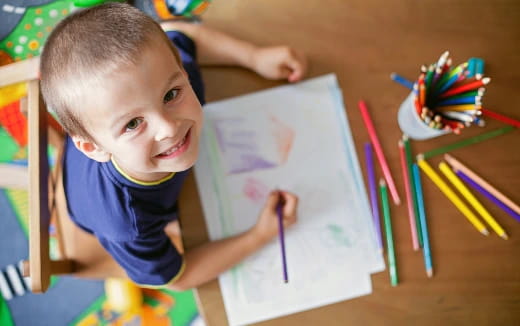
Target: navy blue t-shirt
(127, 216)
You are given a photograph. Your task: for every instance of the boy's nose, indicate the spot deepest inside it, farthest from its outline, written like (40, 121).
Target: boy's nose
(166, 127)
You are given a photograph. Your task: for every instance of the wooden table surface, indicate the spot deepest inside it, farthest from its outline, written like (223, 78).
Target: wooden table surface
(476, 278)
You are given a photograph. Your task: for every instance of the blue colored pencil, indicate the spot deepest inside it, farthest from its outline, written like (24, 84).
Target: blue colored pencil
(401, 80)
(373, 193)
(448, 84)
(487, 194)
(422, 216)
(460, 100)
(279, 211)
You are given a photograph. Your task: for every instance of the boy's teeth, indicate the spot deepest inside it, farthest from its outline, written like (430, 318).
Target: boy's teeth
(170, 151)
(175, 148)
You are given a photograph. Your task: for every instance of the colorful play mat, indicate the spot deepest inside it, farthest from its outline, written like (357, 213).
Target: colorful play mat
(24, 27)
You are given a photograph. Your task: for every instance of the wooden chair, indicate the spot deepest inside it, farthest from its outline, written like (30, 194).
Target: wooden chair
(80, 253)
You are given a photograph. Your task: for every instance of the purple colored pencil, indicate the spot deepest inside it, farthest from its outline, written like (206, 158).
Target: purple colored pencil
(488, 195)
(279, 208)
(373, 193)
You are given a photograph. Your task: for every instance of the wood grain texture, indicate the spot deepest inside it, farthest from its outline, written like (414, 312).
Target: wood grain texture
(476, 279)
(39, 265)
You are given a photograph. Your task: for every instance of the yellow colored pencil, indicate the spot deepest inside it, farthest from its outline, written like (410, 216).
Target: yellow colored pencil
(459, 107)
(472, 199)
(451, 196)
(458, 166)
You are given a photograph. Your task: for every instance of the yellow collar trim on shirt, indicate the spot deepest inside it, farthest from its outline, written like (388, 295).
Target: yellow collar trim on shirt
(175, 278)
(142, 183)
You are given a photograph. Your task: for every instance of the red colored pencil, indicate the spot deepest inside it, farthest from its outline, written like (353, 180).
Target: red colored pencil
(453, 125)
(379, 151)
(466, 87)
(500, 117)
(422, 91)
(447, 66)
(417, 103)
(409, 199)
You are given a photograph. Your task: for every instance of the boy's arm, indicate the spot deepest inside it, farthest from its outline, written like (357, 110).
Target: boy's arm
(217, 48)
(206, 262)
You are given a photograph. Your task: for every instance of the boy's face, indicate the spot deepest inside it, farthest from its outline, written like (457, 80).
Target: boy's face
(146, 117)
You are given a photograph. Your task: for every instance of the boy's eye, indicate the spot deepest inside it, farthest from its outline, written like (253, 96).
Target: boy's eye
(133, 124)
(170, 95)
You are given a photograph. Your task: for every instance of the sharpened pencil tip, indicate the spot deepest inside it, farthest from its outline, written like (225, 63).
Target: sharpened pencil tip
(397, 201)
(484, 232)
(504, 236)
(429, 272)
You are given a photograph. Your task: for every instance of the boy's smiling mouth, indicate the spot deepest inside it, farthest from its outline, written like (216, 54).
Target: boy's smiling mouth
(177, 149)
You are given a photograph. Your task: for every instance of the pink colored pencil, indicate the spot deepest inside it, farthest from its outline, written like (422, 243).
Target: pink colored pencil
(500, 117)
(409, 199)
(458, 166)
(379, 151)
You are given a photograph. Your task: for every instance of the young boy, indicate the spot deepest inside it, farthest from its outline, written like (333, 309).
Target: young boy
(131, 104)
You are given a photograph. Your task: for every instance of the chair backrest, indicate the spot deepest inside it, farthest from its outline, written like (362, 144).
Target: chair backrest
(40, 266)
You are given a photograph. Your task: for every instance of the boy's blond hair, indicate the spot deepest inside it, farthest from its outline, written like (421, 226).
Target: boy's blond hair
(84, 48)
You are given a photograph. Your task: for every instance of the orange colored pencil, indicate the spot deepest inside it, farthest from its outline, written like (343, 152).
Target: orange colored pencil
(422, 92)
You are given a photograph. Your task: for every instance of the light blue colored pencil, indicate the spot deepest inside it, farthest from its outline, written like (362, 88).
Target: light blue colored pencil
(479, 68)
(422, 216)
(472, 65)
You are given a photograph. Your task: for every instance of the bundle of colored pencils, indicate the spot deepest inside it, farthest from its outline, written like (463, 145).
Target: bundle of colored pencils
(448, 97)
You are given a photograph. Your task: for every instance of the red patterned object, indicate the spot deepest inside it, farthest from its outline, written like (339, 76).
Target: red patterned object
(14, 122)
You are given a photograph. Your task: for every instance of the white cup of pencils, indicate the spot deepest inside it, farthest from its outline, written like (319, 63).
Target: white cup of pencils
(444, 99)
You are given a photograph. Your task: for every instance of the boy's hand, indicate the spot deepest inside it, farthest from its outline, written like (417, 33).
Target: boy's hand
(279, 62)
(267, 225)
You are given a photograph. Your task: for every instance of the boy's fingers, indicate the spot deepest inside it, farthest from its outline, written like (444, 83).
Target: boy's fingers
(272, 200)
(297, 66)
(291, 202)
(286, 72)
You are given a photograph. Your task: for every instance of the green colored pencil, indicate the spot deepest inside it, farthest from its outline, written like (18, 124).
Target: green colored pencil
(451, 73)
(388, 231)
(409, 162)
(429, 76)
(468, 141)
(467, 94)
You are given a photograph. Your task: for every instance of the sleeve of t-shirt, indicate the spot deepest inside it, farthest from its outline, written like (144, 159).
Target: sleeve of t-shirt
(188, 53)
(148, 261)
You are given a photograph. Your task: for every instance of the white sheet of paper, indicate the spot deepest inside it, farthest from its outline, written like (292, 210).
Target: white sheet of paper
(296, 138)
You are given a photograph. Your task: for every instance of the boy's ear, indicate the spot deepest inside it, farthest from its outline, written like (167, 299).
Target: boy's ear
(91, 150)
(185, 73)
